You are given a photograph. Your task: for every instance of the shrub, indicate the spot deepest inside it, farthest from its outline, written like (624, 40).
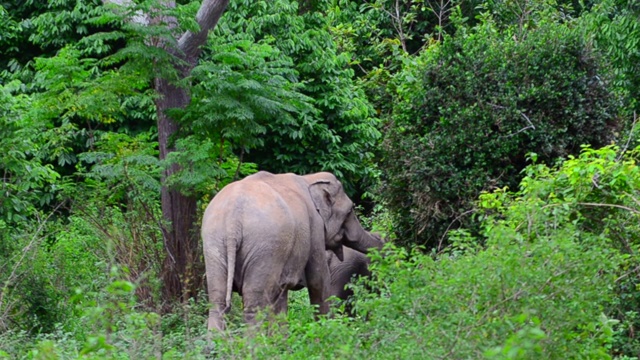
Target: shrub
(541, 287)
(599, 191)
(546, 284)
(468, 110)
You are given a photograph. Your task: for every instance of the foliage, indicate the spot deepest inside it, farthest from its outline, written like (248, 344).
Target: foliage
(206, 166)
(521, 296)
(522, 15)
(114, 221)
(78, 92)
(599, 192)
(118, 199)
(613, 26)
(89, 75)
(464, 89)
(26, 177)
(377, 33)
(122, 167)
(239, 92)
(340, 132)
(38, 29)
(469, 109)
(28, 187)
(243, 88)
(109, 328)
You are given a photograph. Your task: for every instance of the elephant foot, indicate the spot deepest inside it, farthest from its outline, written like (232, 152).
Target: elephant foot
(216, 320)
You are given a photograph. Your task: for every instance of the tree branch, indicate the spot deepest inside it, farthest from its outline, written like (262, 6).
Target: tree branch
(189, 43)
(610, 205)
(626, 146)
(208, 15)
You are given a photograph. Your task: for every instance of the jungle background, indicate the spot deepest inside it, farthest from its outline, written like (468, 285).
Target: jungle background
(494, 143)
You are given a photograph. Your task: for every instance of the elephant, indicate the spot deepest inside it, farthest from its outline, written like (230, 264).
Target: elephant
(354, 265)
(268, 233)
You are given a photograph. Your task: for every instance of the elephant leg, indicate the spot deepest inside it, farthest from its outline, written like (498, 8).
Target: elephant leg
(261, 290)
(262, 300)
(278, 316)
(217, 291)
(317, 274)
(282, 302)
(253, 302)
(216, 317)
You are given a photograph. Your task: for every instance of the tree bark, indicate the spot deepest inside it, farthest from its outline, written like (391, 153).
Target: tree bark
(181, 241)
(182, 265)
(182, 268)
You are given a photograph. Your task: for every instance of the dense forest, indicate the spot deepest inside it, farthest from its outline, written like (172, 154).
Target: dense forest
(494, 144)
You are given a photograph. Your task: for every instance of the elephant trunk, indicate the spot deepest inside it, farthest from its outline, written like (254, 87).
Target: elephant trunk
(358, 238)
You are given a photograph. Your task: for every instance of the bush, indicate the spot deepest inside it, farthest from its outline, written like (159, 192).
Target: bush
(600, 192)
(547, 284)
(468, 111)
(542, 287)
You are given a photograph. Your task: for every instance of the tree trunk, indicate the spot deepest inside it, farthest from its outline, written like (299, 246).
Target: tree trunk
(182, 269)
(181, 241)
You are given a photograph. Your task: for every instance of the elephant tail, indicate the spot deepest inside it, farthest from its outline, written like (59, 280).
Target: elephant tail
(232, 246)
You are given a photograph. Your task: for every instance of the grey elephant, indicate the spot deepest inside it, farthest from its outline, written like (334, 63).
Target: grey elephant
(354, 265)
(267, 234)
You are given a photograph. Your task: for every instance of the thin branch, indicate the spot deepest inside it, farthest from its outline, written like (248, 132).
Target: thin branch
(633, 198)
(362, 69)
(598, 205)
(626, 274)
(400, 29)
(530, 126)
(397, 23)
(626, 146)
(448, 227)
(611, 205)
(442, 12)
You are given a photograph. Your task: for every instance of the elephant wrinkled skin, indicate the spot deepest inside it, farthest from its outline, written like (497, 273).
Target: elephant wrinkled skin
(355, 264)
(267, 234)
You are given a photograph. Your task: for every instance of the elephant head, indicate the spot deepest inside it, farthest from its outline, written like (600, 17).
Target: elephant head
(337, 211)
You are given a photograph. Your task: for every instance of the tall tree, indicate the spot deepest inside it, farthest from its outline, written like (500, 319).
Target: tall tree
(180, 240)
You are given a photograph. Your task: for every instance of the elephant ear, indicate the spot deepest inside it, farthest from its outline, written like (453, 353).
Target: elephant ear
(322, 198)
(323, 201)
